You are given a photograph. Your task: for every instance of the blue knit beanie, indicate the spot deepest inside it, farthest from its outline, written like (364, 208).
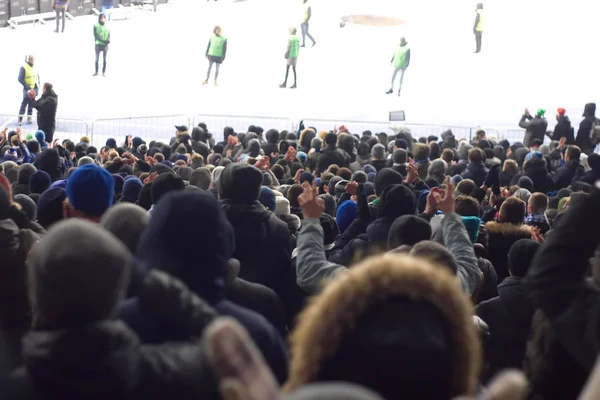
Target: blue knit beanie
(131, 190)
(267, 198)
(90, 189)
(346, 214)
(39, 182)
(40, 136)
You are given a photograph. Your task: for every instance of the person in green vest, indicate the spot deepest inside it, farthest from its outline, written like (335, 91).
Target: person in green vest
(215, 52)
(30, 80)
(478, 27)
(291, 55)
(102, 39)
(400, 61)
(306, 16)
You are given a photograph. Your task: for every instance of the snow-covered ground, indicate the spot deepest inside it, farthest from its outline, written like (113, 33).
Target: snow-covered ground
(536, 54)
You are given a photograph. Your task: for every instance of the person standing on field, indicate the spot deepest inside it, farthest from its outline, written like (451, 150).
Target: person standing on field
(400, 61)
(60, 7)
(215, 52)
(291, 55)
(46, 110)
(306, 16)
(30, 80)
(478, 27)
(102, 40)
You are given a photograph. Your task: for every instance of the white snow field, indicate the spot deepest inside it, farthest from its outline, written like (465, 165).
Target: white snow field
(536, 54)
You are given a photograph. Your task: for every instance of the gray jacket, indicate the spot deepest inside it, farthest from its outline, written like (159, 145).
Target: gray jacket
(312, 266)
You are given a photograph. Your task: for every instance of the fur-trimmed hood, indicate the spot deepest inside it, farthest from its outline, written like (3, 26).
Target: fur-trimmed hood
(326, 325)
(507, 229)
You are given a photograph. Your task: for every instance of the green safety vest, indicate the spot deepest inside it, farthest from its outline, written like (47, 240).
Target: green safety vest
(103, 32)
(294, 47)
(31, 78)
(216, 46)
(400, 57)
(479, 27)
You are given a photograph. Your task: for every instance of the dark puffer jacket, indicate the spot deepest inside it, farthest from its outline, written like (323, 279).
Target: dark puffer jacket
(585, 127)
(15, 313)
(477, 172)
(501, 238)
(563, 129)
(105, 360)
(509, 319)
(565, 174)
(537, 171)
(330, 156)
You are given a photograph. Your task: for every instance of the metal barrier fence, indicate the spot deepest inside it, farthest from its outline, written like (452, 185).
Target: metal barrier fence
(160, 128)
(424, 130)
(66, 128)
(240, 123)
(353, 126)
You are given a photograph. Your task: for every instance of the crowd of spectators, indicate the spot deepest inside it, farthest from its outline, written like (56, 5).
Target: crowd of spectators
(300, 265)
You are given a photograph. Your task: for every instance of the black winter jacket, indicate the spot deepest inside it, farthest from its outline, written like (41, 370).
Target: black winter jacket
(563, 129)
(509, 319)
(46, 116)
(501, 238)
(330, 156)
(585, 127)
(557, 281)
(536, 170)
(565, 174)
(106, 360)
(477, 172)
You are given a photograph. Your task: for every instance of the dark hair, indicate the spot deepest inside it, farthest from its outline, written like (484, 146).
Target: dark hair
(278, 171)
(164, 184)
(448, 156)
(467, 206)
(292, 195)
(345, 174)
(512, 211)
(476, 155)
(573, 152)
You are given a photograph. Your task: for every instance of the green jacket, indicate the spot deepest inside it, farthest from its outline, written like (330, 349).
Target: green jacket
(101, 35)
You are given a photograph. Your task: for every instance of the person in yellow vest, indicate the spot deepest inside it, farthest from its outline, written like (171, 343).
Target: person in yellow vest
(291, 55)
(400, 61)
(29, 79)
(478, 27)
(215, 52)
(306, 16)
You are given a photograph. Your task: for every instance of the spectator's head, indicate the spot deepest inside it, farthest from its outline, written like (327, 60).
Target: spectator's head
(512, 211)
(522, 194)
(476, 156)
(90, 192)
(378, 152)
(25, 172)
(84, 161)
(27, 206)
(165, 183)
(201, 178)
(163, 247)
(396, 201)
(510, 166)
(292, 195)
(467, 206)
(394, 324)
(525, 182)
(127, 222)
(400, 156)
(520, 256)
(538, 203)
(267, 198)
(385, 178)
(131, 190)
(345, 174)
(572, 153)
(78, 274)
(448, 156)
(240, 184)
(331, 139)
(594, 161)
(50, 207)
(466, 187)
(359, 177)
(346, 214)
(436, 254)
(408, 230)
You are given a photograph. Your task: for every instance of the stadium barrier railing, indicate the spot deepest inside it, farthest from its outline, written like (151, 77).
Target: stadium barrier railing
(353, 126)
(240, 123)
(66, 128)
(149, 128)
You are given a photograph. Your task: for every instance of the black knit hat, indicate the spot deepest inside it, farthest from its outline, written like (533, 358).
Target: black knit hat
(330, 229)
(240, 183)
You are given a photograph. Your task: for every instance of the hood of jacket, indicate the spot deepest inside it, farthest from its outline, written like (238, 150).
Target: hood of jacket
(190, 237)
(25, 172)
(449, 139)
(589, 110)
(507, 229)
(103, 359)
(535, 166)
(515, 298)
(463, 150)
(272, 136)
(396, 201)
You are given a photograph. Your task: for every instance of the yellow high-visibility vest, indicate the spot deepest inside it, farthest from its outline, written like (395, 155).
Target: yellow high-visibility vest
(31, 78)
(479, 27)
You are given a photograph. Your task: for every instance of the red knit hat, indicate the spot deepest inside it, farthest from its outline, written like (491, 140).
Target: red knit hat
(561, 111)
